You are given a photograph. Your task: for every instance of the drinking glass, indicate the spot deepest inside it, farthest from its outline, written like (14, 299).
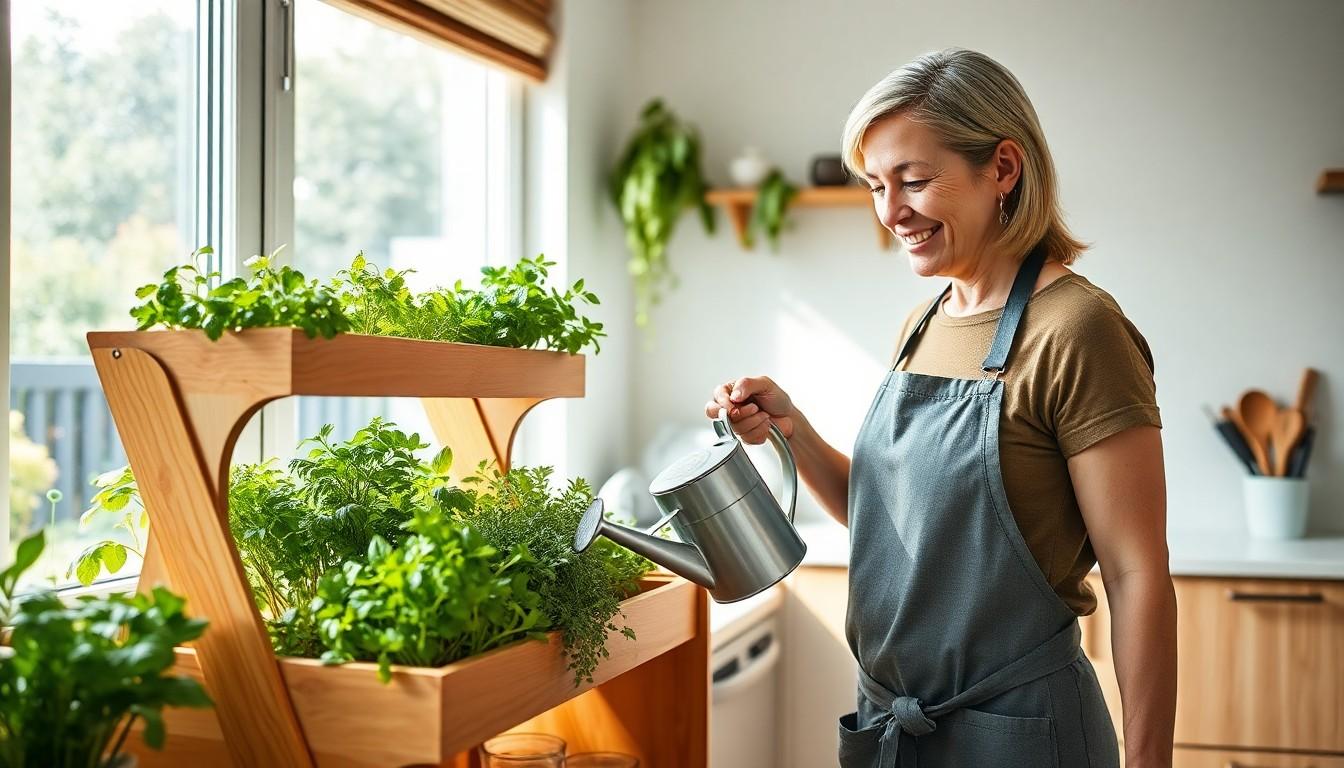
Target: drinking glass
(523, 750)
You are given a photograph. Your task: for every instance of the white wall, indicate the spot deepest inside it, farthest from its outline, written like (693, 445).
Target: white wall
(1188, 137)
(569, 130)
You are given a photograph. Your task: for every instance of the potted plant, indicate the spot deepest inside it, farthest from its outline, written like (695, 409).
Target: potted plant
(657, 178)
(75, 677)
(767, 214)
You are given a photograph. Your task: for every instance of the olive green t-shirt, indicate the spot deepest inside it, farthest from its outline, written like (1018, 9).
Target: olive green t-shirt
(1079, 372)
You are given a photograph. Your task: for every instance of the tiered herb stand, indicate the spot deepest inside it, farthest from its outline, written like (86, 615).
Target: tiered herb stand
(180, 401)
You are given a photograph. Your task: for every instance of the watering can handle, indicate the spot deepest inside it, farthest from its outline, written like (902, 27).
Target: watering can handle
(786, 462)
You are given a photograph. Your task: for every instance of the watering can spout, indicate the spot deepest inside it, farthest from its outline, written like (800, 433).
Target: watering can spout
(682, 559)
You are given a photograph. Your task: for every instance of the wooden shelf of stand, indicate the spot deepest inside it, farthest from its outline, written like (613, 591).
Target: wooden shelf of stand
(738, 203)
(1331, 182)
(180, 401)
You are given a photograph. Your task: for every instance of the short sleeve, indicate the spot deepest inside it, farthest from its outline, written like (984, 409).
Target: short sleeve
(1102, 378)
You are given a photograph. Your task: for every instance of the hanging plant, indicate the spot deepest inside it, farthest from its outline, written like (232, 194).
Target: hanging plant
(658, 177)
(772, 202)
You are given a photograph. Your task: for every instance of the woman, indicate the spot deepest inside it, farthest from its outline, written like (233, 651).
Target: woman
(1014, 444)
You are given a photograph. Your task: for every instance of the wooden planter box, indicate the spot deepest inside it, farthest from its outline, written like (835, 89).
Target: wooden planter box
(180, 401)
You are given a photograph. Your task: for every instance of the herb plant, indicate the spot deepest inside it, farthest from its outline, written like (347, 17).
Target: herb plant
(116, 495)
(76, 677)
(442, 595)
(359, 542)
(512, 308)
(658, 177)
(772, 201)
(271, 296)
(581, 593)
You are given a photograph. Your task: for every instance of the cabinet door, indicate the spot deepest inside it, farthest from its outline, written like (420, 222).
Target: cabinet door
(1217, 758)
(820, 675)
(1260, 663)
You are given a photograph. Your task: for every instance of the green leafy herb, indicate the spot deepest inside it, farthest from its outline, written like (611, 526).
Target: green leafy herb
(270, 297)
(512, 308)
(442, 595)
(772, 201)
(116, 495)
(580, 592)
(77, 676)
(658, 177)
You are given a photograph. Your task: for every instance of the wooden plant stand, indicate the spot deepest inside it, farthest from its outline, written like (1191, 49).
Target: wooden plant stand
(180, 401)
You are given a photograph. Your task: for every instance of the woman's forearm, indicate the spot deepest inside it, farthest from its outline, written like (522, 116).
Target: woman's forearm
(822, 468)
(1143, 643)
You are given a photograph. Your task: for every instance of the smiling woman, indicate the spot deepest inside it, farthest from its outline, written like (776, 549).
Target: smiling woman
(1012, 446)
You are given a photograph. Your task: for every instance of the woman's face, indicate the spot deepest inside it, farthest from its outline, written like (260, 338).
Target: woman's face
(944, 212)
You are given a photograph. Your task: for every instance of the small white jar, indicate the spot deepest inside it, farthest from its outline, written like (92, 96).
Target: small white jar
(1276, 507)
(749, 168)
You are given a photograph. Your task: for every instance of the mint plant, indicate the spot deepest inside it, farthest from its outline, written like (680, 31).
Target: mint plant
(442, 595)
(76, 677)
(270, 296)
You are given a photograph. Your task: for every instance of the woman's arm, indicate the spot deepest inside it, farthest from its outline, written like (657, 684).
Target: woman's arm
(753, 403)
(1121, 489)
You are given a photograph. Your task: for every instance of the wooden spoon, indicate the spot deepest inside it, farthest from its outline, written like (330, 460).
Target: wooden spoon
(1257, 450)
(1305, 389)
(1259, 413)
(1288, 429)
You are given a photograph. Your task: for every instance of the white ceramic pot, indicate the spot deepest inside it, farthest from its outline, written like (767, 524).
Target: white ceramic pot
(1276, 507)
(749, 168)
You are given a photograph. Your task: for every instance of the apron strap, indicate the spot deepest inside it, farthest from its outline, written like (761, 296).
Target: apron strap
(905, 717)
(1018, 296)
(910, 340)
(1023, 286)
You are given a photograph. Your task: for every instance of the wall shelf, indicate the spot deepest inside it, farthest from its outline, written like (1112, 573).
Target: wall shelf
(739, 201)
(1331, 182)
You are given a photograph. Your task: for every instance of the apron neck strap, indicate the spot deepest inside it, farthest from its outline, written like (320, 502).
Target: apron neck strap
(1023, 286)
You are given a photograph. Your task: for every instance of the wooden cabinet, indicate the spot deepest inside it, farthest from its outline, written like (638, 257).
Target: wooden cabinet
(1260, 667)
(820, 676)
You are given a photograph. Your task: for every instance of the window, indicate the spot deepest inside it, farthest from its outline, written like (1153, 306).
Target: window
(146, 128)
(103, 167)
(398, 148)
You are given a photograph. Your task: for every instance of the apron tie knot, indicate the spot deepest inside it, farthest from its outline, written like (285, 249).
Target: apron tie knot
(909, 714)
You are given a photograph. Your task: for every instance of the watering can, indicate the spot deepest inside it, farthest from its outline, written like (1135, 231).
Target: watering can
(735, 538)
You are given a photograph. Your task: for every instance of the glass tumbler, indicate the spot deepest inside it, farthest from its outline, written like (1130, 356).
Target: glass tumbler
(523, 750)
(601, 760)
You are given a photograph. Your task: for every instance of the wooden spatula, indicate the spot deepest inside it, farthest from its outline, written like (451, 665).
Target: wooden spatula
(1257, 448)
(1288, 429)
(1305, 389)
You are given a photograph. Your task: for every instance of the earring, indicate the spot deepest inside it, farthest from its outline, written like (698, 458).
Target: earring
(1003, 215)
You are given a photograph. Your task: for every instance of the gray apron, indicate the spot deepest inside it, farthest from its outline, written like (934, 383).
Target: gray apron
(967, 657)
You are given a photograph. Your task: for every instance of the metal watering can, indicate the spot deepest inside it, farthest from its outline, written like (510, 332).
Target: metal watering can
(735, 539)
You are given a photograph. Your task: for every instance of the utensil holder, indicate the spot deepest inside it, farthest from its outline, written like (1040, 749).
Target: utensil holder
(1276, 507)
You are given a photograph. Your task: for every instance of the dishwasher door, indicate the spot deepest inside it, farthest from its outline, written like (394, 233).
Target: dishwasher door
(744, 719)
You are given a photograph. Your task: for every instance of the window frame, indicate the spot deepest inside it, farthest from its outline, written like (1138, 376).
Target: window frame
(244, 203)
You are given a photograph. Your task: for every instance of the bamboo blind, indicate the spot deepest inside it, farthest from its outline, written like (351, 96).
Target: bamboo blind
(513, 34)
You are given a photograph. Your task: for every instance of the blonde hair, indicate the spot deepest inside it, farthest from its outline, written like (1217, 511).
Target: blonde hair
(971, 103)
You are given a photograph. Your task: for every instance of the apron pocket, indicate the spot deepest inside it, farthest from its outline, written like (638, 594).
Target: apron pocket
(859, 747)
(969, 737)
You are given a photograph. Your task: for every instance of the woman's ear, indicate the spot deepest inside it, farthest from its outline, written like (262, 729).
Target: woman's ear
(1007, 163)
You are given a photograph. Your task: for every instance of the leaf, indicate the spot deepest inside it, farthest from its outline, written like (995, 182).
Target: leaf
(114, 556)
(89, 565)
(442, 461)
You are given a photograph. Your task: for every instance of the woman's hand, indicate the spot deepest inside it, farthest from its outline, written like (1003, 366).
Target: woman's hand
(753, 402)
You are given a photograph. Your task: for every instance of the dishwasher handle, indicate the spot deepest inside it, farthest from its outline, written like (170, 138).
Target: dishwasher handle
(755, 669)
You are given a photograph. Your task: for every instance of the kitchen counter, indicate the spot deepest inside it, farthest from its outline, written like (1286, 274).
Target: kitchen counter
(1193, 553)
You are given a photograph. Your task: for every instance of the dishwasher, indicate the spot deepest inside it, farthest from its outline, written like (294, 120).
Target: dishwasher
(745, 668)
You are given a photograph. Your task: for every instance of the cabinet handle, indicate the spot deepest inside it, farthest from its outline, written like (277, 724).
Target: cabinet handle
(1271, 597)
